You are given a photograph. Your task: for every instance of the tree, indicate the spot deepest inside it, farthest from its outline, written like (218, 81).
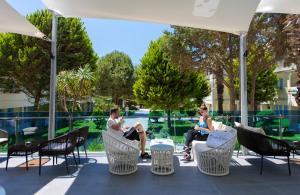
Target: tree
(286, 41)
(115, 76)
(266, 86)
(161, 84)
(25, 61)
(75, 87)
(210, 51)
(215, 52)
(292, 30)
(261, 58)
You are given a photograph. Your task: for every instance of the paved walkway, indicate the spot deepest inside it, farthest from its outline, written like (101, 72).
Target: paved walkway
(92, 177)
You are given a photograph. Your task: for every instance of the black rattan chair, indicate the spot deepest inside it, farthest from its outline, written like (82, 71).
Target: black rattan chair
(263, 145)
(60, 146)
(81, 140)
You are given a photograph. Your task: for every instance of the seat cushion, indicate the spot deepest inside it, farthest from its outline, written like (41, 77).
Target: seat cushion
(200, 146)
(3, 140)
(218, 138)
(56, 147)
(254, 129)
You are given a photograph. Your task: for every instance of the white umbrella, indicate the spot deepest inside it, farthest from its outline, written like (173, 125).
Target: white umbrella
(233, 16)
(279, 6)
(12, 22)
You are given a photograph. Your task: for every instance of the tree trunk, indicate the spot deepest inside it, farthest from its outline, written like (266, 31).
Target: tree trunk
(232, 96)
(36, 104)
(252, 93)
(220, 89)
(169, 119)
(36, 107)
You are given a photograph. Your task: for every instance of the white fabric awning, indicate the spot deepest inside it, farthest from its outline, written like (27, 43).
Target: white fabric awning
(233, 16)
(12, 22)
(279, 6)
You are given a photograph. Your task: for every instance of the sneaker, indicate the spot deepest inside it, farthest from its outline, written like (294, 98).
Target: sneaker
(186, 150)
(188, 158)
(145, 156)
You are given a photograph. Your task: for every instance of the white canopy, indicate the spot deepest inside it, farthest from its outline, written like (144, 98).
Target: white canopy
(233, 16)
(12, 22)
(279, 6)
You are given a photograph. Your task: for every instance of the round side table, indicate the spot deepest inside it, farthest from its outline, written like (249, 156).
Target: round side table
(162, 156)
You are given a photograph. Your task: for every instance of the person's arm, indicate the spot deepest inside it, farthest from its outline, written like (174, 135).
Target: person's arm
(115, 126)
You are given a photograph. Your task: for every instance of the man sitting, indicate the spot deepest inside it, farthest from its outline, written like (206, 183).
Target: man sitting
(136, 132)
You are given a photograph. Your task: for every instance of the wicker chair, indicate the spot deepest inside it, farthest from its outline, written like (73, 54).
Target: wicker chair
(81, 140)
(122, 154)
(214, 161)
(60, 146)
(263, 145)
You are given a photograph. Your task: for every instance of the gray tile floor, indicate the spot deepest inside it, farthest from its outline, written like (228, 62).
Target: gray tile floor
(92, 177)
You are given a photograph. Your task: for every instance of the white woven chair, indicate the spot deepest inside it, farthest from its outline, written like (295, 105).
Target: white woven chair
(214, 161)
(122, 154)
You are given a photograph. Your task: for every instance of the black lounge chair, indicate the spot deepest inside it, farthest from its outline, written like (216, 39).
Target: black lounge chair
(263, 145)
(60, 146)
(81, 140)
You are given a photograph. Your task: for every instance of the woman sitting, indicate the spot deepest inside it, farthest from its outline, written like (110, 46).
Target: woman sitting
(200, 131)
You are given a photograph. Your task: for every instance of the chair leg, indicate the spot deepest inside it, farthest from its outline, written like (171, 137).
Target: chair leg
(7, 162)
(56, 159)
(294, 151)
(85, 150)
(40, 166)
(74, 158)
(53, 157)
(289, 166)
(261, 164)
(66, 160)
(26, 161)
(237, 155)
(78, 154)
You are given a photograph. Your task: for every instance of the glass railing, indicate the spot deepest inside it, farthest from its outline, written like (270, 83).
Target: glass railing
(33, 126)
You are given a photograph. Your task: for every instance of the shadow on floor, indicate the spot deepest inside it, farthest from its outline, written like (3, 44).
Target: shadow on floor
(30, 180)
(95, 179)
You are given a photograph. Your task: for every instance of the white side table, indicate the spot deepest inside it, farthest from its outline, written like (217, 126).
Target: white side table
(162, 156)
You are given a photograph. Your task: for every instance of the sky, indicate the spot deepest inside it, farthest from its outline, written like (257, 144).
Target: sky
(129, 37)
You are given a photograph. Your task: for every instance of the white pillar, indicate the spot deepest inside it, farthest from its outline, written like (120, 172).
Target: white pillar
(243, 80)
(51, 124)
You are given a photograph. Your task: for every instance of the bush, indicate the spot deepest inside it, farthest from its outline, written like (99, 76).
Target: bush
(181, 127)
(156, 115)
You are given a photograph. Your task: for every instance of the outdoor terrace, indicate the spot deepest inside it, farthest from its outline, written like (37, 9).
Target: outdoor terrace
(92, 177)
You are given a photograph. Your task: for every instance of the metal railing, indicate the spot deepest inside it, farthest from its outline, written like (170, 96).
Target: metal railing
(281, 126)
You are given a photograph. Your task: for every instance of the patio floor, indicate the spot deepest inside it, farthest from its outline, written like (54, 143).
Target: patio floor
(92, 177)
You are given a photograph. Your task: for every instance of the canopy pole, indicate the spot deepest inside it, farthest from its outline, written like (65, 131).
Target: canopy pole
(212, 92)
(243, 80)
(51, 124)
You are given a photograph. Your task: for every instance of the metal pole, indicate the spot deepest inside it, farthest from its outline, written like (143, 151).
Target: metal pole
(51, 130)
(212, 93)
(243, 80)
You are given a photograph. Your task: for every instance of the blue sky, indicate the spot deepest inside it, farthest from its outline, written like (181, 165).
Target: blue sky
(130, 37)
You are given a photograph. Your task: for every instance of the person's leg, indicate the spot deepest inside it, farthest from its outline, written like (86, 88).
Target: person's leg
(142, 135)
(190, 137)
